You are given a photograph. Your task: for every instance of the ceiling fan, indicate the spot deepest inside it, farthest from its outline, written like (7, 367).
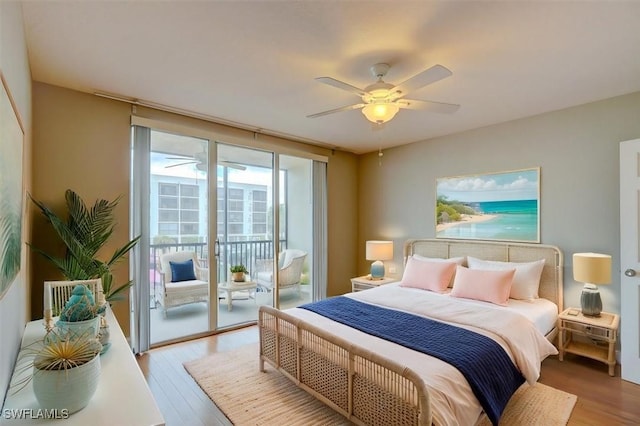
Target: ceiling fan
(381, 101)
(200, 161)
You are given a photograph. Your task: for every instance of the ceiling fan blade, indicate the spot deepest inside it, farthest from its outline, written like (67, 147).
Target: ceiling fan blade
(232, 165)
(186, 157)
(331, 111)
(341, 85)
(439, 107)
(428, 76)
(180, 164)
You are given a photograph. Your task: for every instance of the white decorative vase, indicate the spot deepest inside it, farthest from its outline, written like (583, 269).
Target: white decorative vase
(67, 389)
(79, 328)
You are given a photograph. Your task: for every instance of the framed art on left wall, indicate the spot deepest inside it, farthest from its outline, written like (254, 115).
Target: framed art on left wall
(11, 192)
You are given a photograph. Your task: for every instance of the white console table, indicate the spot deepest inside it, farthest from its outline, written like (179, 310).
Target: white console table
(123, 397)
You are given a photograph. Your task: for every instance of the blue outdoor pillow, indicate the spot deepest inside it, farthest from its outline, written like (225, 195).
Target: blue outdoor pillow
(182, 271)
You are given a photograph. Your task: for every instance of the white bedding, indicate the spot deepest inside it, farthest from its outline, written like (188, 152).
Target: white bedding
(543, 313)
(452, 401)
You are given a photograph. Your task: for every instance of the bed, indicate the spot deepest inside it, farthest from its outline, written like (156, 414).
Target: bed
(374, 381)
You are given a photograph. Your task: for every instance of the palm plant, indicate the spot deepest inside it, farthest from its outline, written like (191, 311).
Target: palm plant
(84, 233)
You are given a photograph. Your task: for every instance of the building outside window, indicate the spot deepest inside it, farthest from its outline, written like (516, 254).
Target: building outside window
(259, 212)
(179, 211)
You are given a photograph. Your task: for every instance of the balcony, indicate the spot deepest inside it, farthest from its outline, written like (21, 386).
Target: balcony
(230, 253)
(193, 318)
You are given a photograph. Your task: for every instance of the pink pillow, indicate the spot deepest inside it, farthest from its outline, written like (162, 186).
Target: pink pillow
(485, 285)
(434, 276)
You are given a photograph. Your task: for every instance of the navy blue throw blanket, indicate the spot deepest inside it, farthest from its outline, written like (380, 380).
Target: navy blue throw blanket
(483, 362)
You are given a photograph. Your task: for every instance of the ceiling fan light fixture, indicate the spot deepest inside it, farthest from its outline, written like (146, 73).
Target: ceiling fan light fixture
(380, 112)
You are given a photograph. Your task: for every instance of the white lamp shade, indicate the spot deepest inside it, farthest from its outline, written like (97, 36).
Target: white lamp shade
(379, 250)
(592, 268)
(380, 112)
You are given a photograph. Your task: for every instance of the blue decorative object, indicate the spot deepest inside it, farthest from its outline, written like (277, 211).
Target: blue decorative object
(377, 270)
(182, 271)
(378, 251)
(81, 306)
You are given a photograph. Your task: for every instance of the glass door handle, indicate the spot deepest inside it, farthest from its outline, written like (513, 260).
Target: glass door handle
(216, 248)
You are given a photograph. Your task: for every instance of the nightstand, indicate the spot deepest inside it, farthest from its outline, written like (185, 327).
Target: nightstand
(365, 283)
(598, 336)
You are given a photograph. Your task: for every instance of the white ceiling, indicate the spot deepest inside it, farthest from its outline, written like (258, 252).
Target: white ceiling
(254, 62)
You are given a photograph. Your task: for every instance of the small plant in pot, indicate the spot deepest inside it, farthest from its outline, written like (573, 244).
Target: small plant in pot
(238, 272)
(66, 370)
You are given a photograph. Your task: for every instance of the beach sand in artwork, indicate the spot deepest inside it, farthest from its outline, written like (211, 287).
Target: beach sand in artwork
(466, 218)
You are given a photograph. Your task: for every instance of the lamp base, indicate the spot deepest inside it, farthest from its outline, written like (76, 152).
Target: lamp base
(377, 270)
(590, 301)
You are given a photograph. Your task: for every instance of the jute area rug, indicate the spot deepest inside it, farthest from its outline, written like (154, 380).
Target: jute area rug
(248, 397)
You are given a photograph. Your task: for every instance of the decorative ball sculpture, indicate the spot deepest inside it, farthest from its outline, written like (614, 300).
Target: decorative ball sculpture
(81, 306)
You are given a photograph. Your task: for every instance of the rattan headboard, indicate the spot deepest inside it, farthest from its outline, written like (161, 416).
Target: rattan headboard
(550, 281)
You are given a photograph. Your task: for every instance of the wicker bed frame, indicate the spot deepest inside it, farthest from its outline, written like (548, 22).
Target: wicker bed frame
(361, 385)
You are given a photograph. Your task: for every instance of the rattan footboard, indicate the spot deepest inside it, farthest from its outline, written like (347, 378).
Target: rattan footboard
(361, 385)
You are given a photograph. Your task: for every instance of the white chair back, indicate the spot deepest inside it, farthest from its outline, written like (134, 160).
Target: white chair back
(179, 256)
(288, 256)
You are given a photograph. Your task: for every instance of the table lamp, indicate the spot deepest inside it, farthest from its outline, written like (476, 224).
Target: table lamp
(379, 251)
(591, 269)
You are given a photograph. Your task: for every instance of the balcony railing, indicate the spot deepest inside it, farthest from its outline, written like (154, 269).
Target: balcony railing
(229, 253)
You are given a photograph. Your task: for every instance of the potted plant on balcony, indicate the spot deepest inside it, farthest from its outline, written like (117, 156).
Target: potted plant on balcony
(238, 272)
(84, 233)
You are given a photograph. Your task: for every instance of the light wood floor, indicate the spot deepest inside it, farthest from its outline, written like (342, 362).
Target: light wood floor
(602, 400)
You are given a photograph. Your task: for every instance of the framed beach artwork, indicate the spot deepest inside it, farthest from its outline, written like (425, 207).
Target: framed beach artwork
(492, 206)
(11, 138)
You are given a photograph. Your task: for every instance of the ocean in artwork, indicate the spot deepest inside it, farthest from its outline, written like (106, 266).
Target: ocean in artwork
(515, 220)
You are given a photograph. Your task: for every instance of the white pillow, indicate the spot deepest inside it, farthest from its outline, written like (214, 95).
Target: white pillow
(525, 281)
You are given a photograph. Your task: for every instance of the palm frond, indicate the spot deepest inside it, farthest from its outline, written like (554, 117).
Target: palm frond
(92, 226)
(117, 293)
(122, 251)
(10, 243)
(84, 233)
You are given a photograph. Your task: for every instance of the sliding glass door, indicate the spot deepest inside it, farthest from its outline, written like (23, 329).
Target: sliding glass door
(244, 187)
(178, 233)
(295, 261)
(268, 223)
(272, 240)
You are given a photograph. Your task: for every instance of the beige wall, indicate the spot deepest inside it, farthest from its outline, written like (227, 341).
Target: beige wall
(342, 217)
(15, 70)
(82, 142)
(576, 149)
